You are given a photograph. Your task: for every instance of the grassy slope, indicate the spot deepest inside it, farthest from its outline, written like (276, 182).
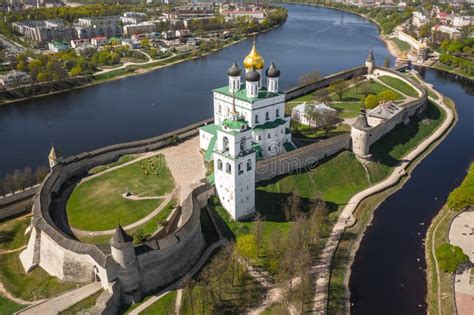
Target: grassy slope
(148, 228)
(350, 95)
(399, 85)
(122, 160)
(403, 46)
(12, 233)
(389, 149)
(8, 307)
(83, 305)
(101, 197)
(164, 306)
(37, 284)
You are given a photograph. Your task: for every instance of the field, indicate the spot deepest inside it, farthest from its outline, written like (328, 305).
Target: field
(164, 306)
(12, 233)
(399, 85)
(37, 284)
(101, 197)
(8, 307)
(402, 45)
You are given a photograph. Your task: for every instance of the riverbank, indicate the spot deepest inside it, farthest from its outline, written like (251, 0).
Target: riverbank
(136, 70)
(363, 213)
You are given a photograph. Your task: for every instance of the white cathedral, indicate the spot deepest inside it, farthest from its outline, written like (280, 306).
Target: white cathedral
(249, 125)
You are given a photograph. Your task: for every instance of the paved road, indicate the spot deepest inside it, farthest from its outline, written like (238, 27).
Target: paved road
(55, 305)
(10, 47)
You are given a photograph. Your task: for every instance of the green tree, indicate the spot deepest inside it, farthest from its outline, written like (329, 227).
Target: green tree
(463, 196)
(338, 87)
(76, 70)
(247, 246)
(450, 257)
(387, 95)
(371, 101)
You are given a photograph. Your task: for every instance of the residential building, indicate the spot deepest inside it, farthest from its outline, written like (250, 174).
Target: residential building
(133, 17)
(144, 27)
(15, 77)
(44, 30)
(461, 21)
(80, 42)
(452, 32)
(99, 41)
(57, 46)
(107, 26)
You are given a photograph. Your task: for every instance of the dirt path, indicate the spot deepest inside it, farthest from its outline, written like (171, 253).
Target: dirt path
(7, 294)
(346, 217)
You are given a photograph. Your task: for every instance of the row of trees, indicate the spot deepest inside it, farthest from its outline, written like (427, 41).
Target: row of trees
(19, 180)
(463, 196)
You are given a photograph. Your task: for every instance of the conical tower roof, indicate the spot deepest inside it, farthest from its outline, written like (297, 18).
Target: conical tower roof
(361, 122)
(273, 71)
(53, 154)
(120, 237)
(370, 57)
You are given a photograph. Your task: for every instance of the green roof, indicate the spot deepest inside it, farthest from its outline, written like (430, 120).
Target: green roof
(242, 94)
(210, 128)
(239, 124)
(210, 149)
(271, 124)
(258, 150)
(288, 146)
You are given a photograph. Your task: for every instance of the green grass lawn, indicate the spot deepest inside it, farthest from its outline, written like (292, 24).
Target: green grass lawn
(347, 109)
(122, 160)
(147, 228)
(101, 197)
(8, 307)
(399, 85)
(402, 45)
(37, 284)
(350, 95)
(83, 306)
(12, 233)
(164, 306)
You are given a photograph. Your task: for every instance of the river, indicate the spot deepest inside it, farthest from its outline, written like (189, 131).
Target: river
(156, 102)
(386, 278)
(388, 274)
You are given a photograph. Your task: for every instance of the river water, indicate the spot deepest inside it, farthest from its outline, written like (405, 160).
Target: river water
(386, 276)
(388, 273)
(167, 99)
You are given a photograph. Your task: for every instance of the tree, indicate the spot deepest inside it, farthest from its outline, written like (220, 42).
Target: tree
(76, 71)
(309, 78)
(365, 88)
(386, 62)
(41, 173)
(320, 118)
(371, 101)
(292, 206)
(322, 96)
(258, 231)
(338, 87)
(463, 196)
(450, 257)
(387, 95)
(247, 246)
(3, 190)
(357, 81)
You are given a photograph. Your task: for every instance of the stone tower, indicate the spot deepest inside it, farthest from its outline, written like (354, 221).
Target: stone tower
(370, 62)
(360, 133)
(123, 252)
(53, 157)
(234, 166)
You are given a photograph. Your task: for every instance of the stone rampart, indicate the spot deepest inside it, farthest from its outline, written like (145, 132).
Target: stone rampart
(301, 90)
(18, 203)
(415, 44)
(302, 158)
(53, 248)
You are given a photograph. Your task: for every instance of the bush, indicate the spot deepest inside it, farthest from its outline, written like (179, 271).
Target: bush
(371, 101)
(463, 196)
(450, 257)
(387, 95)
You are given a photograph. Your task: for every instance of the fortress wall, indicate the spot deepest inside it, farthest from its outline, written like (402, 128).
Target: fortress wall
(301, 90)
(409, 39)
(178, 251)
(302, 158)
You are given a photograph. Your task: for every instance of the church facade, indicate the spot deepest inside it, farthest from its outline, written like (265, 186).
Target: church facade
(249, 125)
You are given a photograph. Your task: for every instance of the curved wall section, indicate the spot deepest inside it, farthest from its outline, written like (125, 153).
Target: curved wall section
(159, 262)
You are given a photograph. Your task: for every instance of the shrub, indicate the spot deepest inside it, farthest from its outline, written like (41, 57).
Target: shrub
(463, 196)
(450, 257)
(371, 101)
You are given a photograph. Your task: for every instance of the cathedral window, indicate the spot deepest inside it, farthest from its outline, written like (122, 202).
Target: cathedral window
(267, 116)
(228, 168)
(256, 119)
(219, 110)
(249, 167)
(241, 168)
(277, 112)
(219, 165)
(225, 144)
(269, 136)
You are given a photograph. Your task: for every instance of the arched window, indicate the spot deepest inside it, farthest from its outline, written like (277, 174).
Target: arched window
(219, 108)
(219, 165)
(277, 113)
(241, 168)
(267, 116)
(228, 168)
(242, 145)
(249, 164)
(225, 144)
(256, 119)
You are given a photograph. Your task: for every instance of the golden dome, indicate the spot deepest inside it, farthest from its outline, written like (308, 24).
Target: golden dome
(254, 59)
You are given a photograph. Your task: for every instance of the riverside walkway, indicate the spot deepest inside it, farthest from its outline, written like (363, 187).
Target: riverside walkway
(346, 219)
